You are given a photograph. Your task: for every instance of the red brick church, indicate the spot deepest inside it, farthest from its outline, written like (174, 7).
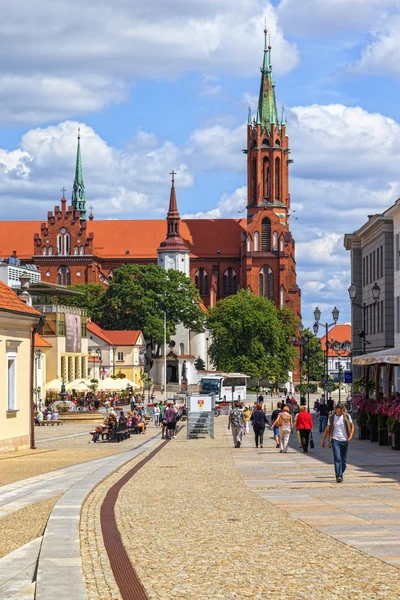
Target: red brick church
(224, 255)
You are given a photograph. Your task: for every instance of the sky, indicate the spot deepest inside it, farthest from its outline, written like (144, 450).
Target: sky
(166, 84)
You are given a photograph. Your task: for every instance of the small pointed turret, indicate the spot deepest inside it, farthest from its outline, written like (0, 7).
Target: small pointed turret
(266, 102)
(249, 116)
(78, 189)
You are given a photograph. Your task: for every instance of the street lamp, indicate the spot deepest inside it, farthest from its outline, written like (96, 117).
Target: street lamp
(38, 356)
(302, 342)
(114, 349)
(317, 317)
(98, 352)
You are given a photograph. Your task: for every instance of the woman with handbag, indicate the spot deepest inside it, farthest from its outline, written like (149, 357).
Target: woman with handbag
(304, 427)
(285, 424)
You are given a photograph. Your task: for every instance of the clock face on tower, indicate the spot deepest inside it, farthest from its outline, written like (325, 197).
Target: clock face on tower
(171, 261)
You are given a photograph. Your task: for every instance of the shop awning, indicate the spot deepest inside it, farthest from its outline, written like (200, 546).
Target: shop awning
(390, 356)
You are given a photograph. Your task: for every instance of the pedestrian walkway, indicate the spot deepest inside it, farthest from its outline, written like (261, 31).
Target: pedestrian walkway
(363, 511)
(23, 493)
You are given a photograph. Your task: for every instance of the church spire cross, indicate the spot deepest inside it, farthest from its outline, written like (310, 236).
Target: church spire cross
(63, 192)
(267, 103)
(173, 173)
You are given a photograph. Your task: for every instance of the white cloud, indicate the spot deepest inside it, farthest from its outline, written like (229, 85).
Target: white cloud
(218, 148)
(229, 206)
(118, 182)
(71, 57)
(382, 55)
(313, 18)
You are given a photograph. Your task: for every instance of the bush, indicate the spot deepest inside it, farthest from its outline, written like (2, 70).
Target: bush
(303, 388)
(362, 419)
(382, 422)
(393, 425)
(372, 421)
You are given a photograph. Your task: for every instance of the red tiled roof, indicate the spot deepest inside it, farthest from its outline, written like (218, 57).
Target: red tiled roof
(41, 342)
(123, 338)
(338, 333)
(9, 301)
(99, 332)
(115, 337)
(203, 237)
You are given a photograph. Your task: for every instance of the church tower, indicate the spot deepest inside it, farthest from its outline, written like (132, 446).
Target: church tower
(268, 265)
(173, 252)
(78, 189)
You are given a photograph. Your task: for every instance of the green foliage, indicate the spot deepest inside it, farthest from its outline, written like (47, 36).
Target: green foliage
(199, 364)
(91, 299)
(362, 418)
(250, 335)
(393, 425)
(315, 356)
(303, 388)
(382, 422)
(372, 421)
(359, 385)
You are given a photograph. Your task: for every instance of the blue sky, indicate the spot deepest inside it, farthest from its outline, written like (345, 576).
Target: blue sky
(166, 85)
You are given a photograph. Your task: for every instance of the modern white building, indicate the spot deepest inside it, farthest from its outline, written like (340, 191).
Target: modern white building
(11, 271)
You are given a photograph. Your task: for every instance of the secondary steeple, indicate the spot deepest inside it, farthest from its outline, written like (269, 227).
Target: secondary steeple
(267, 110)
(78, 189)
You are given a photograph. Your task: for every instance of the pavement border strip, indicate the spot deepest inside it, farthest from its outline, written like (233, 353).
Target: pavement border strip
(125, 575)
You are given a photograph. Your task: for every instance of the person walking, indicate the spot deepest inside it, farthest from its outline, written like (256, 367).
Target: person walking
(259, 420)
(323, 415)
(274, 416)
(236, 422)
(247, 416)
(156, 415)
(170, 417)
(331, 404)
(340, 430)
(285, 424)
(304, 427)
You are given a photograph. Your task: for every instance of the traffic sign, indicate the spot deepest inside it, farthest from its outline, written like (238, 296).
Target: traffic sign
(348, 376)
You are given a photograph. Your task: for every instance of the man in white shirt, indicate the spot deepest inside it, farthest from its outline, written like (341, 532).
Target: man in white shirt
(340, 429)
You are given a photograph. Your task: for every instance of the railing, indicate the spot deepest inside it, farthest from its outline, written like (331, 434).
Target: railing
(60, 308)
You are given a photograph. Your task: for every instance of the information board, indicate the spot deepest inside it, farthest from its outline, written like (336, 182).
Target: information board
(200, 404)
(348, 376)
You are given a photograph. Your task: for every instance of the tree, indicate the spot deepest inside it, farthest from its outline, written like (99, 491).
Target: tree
(138, 297)
(249, 334)
(199, 364)
(91, 299)
(316, 356)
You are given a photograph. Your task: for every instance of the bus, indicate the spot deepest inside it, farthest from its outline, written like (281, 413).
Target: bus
(222, 384)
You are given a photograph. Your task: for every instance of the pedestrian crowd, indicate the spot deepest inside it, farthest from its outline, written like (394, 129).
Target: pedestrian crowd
(335, 423)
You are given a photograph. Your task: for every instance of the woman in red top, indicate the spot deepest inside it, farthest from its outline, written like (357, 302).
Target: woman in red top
(304, 427)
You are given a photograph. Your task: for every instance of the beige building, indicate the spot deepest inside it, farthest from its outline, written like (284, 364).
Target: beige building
(116, 352)
(17, 321)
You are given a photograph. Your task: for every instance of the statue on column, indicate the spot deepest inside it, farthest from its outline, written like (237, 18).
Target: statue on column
(184, 381)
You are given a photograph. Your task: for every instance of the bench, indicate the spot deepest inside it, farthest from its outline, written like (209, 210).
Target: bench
(58, 422)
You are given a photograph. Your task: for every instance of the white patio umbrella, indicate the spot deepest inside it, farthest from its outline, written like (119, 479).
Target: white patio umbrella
(79, 385)
(111, 385)
(54, 385)
(128, 383)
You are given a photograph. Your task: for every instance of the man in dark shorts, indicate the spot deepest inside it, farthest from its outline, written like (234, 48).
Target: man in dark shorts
(170, 417)
(274, 416)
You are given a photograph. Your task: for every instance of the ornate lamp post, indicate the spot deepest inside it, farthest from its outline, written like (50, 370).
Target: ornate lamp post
(114, 349)
(317, 324)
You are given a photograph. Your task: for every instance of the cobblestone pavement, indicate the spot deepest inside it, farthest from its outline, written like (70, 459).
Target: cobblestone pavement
(363, 511)
(194, 530)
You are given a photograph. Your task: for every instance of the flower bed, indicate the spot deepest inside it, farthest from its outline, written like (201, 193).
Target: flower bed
(382, 419)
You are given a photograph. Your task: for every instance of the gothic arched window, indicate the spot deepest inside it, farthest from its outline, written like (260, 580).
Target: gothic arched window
(266, 235)
(275, 242)
(64, 276)
(230, 282)
(50, 250)
(265, 143)
(266, 178)
(282, 244)
(63, 241)
(256, 241)
(201, 281)
(248, 244)
(76, 250)
(82, 250)
(282, 297)
(266, 283)
(277, 178)
(45, 251)
(254, 178)
(181, 349)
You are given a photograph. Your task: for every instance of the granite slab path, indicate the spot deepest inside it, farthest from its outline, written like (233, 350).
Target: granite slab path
(363, 511)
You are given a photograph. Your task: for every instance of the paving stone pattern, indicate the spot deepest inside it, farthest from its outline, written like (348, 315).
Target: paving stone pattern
(363, 511)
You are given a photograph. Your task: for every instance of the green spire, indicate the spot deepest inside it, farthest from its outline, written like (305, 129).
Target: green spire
(258, 120)
(249, 116)
(78, 189)
(283, 120)
(266, 102)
